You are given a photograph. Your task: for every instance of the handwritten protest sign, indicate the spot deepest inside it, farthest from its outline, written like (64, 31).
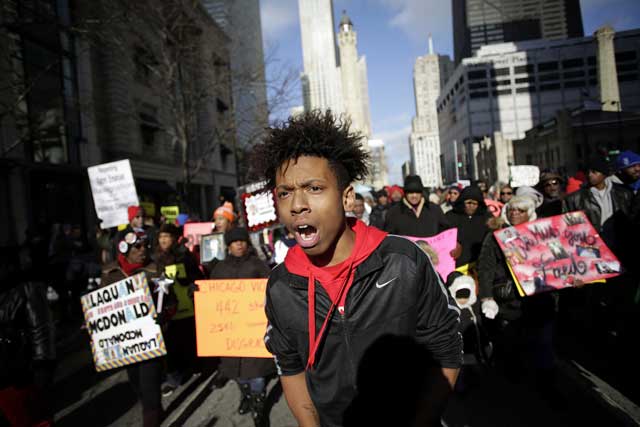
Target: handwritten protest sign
(170, 213)
(113, 191)
(552, 253)
(442, 244)
(524, 175)
(193, 232)
(120, 319)
(230, 318)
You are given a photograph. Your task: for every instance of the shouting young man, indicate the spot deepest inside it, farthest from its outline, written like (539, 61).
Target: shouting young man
(345, 287)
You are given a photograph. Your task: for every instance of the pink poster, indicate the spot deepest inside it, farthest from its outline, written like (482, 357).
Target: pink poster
(193, 231)
(439, 248)
(551, 253)
(494, 206)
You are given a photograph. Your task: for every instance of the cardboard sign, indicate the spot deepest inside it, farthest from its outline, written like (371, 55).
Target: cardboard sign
(522, 175)
(494, 207)
(551, 253)
(113, 191)
(230, 318)
(442, 244)
(193, 232)
(170, 213)
(120, 319)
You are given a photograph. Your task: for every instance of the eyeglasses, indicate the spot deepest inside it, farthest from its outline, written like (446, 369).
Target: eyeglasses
(506, 193)
(551, 182)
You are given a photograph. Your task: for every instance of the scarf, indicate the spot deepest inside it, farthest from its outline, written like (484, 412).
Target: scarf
(126, 266)
(335, 280)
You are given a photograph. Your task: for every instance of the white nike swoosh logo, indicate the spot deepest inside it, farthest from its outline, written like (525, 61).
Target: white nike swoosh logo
(382, 285)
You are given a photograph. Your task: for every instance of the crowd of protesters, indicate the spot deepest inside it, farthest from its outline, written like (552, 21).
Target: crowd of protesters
(499, 328)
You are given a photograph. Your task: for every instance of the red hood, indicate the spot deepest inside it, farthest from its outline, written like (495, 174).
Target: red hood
(336, 279)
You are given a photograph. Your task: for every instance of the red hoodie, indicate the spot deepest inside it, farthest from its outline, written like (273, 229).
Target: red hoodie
(336, 280)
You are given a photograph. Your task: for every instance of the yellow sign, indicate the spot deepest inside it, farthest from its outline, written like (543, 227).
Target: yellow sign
(149, 208)
(230, 318)
(170, 213)
(175, 270)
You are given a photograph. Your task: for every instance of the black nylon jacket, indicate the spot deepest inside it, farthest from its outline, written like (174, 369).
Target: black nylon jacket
(395, 291)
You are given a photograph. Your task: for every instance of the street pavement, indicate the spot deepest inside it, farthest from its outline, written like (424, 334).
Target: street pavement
(85, 397)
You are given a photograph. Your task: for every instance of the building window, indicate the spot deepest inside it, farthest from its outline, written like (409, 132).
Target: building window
(526, 80)
(549, 77)
(501, 92)
(526, 89)
(628, 78)
(591, 60)
(475, 95)
(501, 83)
(629, 55)
(575, 83)
(500, 72)
(572, 63)
(547, 66)
(553, 86)
(478, 85)
(476, 75)
(573, 74)
(627, 67)
(523, 69)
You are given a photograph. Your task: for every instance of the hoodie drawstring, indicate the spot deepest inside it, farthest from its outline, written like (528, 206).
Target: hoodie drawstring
(314, 341)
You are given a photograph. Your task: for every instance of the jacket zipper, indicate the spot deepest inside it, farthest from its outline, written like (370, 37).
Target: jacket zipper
(348, 343)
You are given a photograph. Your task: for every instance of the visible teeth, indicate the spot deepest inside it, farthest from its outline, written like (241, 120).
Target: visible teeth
(302, 227)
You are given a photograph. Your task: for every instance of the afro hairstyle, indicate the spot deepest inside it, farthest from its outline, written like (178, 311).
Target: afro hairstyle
(313, 134)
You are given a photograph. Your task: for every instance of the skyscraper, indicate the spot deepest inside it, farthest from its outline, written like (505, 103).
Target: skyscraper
(321, 82)
(240, 20)
(480, 22)
(353, 72)
(430, 73)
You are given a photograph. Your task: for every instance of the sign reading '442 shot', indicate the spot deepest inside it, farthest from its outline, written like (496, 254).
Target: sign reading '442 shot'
(120, 319)
(552, 253)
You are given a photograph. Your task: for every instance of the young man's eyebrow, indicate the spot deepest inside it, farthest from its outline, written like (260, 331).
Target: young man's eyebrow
(305, 183)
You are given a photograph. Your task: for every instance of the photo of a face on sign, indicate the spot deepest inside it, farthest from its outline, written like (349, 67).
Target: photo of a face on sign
(212, 246)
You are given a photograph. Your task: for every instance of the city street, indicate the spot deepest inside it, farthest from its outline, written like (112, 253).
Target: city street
(105, 399)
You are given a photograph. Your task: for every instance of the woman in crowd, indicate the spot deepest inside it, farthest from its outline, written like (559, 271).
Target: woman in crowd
(521, 326)
(178, 264)
(224, 217)
(145, 377)
(250, 373)
(506, 193)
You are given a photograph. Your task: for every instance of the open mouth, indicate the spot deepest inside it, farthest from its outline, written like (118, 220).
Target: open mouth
(306, 235)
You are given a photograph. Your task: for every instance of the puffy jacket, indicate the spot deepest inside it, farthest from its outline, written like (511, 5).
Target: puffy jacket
(471, 229)
(26, 331)
(395, 291)
(584, 200)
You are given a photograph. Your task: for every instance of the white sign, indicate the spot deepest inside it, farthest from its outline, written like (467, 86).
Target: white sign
(113, 192)
(260, 208)
(120, 319)
(522, 175)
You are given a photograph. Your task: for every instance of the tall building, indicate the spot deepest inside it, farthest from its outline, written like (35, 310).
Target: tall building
(430, 72)
(353, 72)
(333, 79)
(321, 81)
(506, 89)
(481, 22)
(378, 176)
(240, 20)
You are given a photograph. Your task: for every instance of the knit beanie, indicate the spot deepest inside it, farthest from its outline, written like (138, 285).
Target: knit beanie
(132, 212)
(226, 210)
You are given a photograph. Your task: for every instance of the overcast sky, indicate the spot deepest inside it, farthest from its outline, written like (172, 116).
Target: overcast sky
(391, 34)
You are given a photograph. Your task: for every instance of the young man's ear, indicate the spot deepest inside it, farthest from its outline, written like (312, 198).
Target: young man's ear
(348, 198)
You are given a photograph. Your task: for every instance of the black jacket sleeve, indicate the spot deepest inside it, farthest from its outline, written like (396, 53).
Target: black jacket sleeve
(39, 322)
(438, 317)
(288, 360)
(487, 265)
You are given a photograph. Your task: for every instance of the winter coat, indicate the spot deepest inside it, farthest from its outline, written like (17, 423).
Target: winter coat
(616, 230)
(246, 267)
(27, 336)
(378, 216)
(395, 293)
(402, 221)
(471, 229)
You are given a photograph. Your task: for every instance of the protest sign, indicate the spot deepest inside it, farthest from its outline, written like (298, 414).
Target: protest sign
(170, 213)
(193, 232)
(524, 175)
(257, 206)
(230, 318)
(552, 253)
(212, 246)
(442, 244)
(120, 319)
(494, 206)
(113, 191)
(149, 208)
